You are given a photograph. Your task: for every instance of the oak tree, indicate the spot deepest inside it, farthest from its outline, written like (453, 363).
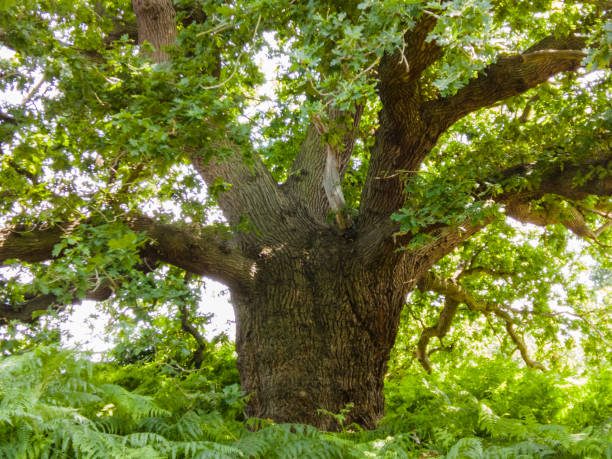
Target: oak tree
(357, 150)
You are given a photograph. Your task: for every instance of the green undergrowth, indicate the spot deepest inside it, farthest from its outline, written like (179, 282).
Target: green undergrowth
(58, 403)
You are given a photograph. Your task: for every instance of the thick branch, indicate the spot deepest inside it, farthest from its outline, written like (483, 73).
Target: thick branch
(253, 199)
(398, 73)
(307, 172)
(205, 251)
(564, 181)
(509, 76)
(406, 64)
(155, 22)
(410, 128)
(24, 312)
(403, 139)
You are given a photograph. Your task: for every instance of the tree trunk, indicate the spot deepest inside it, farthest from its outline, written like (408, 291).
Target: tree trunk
(316, 333)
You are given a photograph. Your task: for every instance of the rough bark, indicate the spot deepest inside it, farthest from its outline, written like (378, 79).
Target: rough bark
(306, 176)
(205, 251)
(253, 199)
(316, 325)
(509, 76)
(316, 330)
(155, 22)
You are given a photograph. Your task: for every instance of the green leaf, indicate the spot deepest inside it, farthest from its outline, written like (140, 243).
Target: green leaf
(124, 242)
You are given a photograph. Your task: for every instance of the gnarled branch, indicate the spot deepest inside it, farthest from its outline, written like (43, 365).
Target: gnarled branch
(560, 181)
(439, 330)
(453, 290)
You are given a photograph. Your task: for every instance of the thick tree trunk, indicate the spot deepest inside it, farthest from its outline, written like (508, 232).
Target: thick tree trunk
(316, 333)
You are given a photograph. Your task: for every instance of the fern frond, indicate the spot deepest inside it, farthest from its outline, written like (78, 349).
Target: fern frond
(466, 448)
(499, 427)
(140, 439)
(203, 449)
(133, 406)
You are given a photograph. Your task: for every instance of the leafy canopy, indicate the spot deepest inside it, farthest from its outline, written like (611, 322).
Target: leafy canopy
(96, 133)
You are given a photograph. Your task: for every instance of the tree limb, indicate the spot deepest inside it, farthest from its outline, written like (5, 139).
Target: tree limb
(402, 139)
(439, 330)
(398, 74)
(205, 251)
(25, 311)
(307, 172)
(407, 64)
(452, 289)
(253, 199)
(509, 76)
(564, 181)
(410, 128)
(520, 344)
(155, 23)
(188, 326)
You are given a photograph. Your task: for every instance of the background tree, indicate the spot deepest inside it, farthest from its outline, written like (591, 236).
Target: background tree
(400, 138)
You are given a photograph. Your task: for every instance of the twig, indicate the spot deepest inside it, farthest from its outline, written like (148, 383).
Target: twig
(236, 65)
(33, 91)
(216, 29)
